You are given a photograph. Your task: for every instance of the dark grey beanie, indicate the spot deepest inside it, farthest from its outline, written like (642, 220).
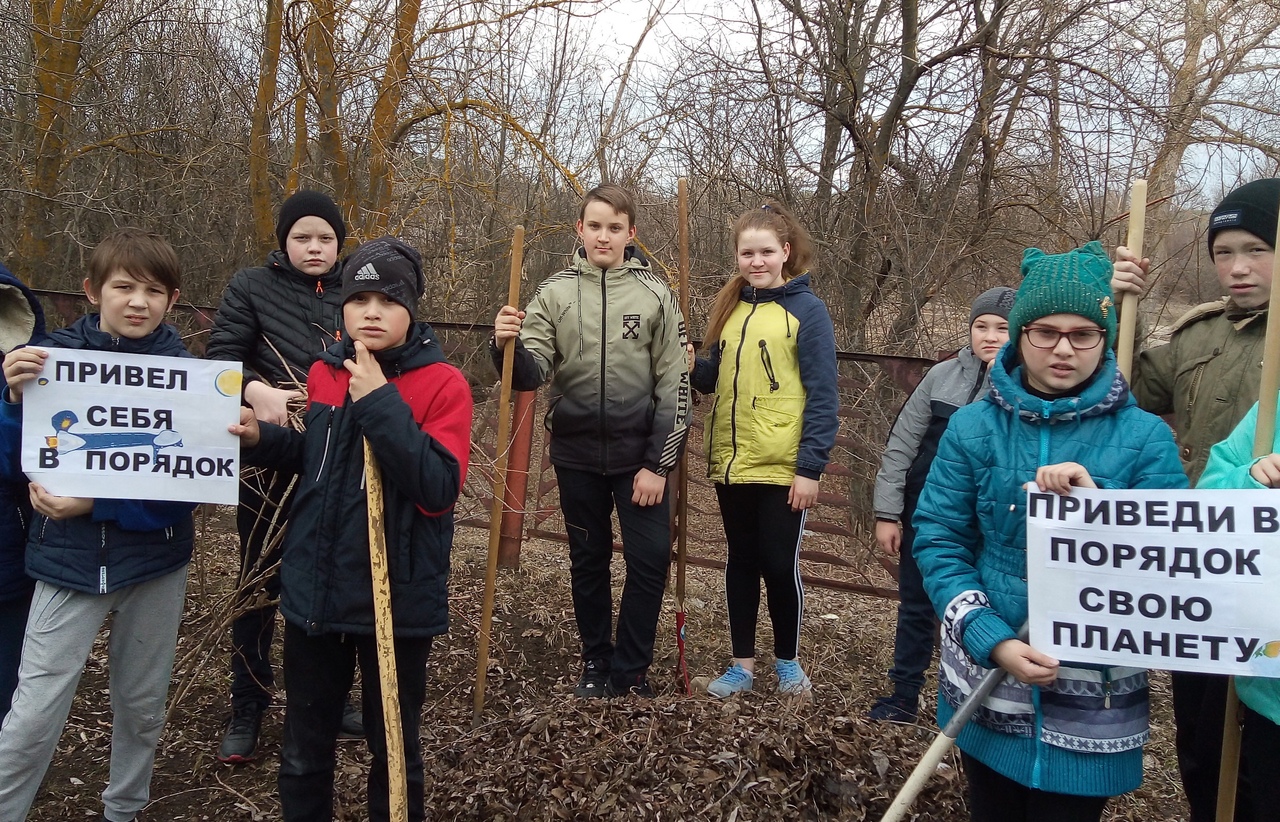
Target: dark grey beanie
(998, 301)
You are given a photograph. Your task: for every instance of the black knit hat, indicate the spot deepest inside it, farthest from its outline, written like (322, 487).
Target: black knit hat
(307, 203)
(388, 266)
(1251, 207)
(998, 301)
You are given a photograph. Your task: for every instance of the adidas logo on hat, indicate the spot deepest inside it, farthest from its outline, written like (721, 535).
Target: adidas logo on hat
(368, 272)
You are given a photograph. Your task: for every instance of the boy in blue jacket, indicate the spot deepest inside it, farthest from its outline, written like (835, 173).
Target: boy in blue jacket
(21, 322)
(94, 557)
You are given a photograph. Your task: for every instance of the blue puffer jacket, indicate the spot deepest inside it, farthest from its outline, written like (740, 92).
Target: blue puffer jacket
(122, 542)
(21, 322)
(1083, 734)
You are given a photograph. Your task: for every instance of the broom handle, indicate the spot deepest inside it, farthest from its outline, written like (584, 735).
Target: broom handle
(1263, 444)
(942, 743)
(682, 503)
(1129, 302)
(501, 447)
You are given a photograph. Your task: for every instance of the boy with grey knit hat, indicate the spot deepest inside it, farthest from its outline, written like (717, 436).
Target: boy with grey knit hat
(912, 444)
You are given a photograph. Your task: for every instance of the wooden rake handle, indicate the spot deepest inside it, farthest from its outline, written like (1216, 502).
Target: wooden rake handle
(501, 447)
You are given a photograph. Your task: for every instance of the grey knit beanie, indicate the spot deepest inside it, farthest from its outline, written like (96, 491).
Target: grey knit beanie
(998, 301)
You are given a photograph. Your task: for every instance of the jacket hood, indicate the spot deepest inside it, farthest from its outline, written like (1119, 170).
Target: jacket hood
(632, 258)
(278, 262)
(87, 333)
(792, 287)
(420, 348)
(21, 316)
(1106, 392)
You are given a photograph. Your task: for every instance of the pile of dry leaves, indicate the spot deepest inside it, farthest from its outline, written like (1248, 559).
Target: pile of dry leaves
(538, 752)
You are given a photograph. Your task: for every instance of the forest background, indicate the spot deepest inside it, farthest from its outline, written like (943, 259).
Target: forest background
(925, 143)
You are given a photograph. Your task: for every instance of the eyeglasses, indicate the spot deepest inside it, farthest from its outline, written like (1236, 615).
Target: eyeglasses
(1081, 339)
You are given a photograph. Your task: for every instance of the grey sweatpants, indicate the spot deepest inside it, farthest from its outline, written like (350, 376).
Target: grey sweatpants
(61, 628)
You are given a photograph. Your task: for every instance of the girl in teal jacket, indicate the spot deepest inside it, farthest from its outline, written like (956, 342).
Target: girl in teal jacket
(773, 420)
(1232, 465)
(1052, 742)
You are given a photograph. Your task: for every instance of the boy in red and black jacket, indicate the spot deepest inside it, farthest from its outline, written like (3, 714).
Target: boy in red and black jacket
(389, 383)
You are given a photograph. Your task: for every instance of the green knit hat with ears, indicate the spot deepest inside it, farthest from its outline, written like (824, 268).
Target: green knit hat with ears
(1077, 282)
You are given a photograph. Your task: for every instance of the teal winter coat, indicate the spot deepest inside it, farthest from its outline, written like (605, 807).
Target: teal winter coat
(1083, 734)
(1229, 464)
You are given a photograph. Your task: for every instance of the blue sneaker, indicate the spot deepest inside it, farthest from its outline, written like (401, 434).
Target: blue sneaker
(791, 678)
(735, 680)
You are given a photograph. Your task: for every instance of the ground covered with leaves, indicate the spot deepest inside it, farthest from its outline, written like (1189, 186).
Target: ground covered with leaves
(541, 754)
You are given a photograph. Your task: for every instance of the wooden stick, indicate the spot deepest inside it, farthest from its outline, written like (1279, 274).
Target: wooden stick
(397, 779)
(942, 743)
(501, 446)
(682, 503)
(1129, 302)
(1263, 444)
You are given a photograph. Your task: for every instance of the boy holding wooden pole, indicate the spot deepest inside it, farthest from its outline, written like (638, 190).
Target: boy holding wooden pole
(1207, 377)
(387, 383)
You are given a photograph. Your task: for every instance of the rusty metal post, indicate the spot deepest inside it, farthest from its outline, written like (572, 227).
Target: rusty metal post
(516, 483)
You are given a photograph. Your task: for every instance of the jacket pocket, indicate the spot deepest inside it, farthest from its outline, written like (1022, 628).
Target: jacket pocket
(775, 431)
(1190, 377)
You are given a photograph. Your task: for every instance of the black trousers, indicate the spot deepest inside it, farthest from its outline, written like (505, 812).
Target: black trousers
(1260, 758)
(1199, 706)
(588, 499)
(763, 535)
(252, 632)
(917, 630)
(997, 798)
(317, 675)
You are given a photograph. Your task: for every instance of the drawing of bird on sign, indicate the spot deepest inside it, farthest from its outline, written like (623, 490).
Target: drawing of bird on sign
(65, 441)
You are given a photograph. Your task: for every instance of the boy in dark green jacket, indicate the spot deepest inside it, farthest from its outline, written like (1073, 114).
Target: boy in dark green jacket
(1207, 377)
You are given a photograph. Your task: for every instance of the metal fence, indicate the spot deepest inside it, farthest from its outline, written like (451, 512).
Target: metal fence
(838, 550)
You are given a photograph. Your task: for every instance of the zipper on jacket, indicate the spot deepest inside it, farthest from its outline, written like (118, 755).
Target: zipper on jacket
(1195, 387)
(604, 348)
(767, 362)
(1106, 687)
(733, 407)
(328, 437)
(982, 372)
(319, 289)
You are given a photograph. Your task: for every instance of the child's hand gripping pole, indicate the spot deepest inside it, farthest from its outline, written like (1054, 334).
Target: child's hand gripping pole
(397, 779)
(1263, 444)
(501, 446)
(1129, 302)
(942, 743)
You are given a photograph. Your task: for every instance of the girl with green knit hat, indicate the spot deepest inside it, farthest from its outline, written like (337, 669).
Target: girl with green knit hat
(1053, 741)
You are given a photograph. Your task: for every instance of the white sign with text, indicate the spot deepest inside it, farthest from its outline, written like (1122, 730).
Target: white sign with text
(129, 426)
(1180, 580)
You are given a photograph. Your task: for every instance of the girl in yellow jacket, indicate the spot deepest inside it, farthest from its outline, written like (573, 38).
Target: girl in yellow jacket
(771, 364)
